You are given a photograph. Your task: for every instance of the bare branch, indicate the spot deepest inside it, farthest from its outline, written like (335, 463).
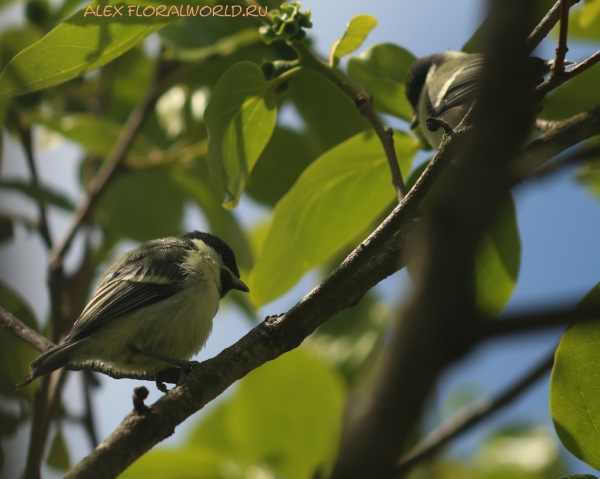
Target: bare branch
(558, 67)
(470, 416)
(107, 171)
(542, 30)
(12, 324)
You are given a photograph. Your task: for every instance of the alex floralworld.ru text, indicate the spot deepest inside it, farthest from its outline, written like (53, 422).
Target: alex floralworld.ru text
(173, 10)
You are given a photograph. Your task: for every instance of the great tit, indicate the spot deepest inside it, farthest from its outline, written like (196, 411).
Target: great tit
(443, 86)
(153, 308)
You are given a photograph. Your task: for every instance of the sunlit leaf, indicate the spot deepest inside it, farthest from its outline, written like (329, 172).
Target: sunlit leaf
(589, 12)
(142, 205)
(498, 261)
(15, 353)
(58, 457)
(288, 414)
(356, 32)
(223, 46)
(332, 201)
(382, 71)
(77, 46)
(240, 119)
(188, 462)
(44, 193)
(574, 399)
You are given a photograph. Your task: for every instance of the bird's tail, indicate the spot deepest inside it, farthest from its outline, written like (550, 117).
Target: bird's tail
(50, 361)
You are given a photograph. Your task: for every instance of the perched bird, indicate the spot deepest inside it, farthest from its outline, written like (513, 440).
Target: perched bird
(443, 86)
(152, 308)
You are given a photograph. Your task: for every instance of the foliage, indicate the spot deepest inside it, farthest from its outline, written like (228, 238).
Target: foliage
(213, 138)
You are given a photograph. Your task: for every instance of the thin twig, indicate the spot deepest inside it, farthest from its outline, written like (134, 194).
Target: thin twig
(386, 136)
(24, 131)
(561, 163)
(556, 80)
(10, 322)
(558, 67)
(470, 416)
(546, 25)
(88, 418)
(107, 171)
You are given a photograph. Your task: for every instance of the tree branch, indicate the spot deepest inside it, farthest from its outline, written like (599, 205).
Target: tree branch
(18, 328)
(546, 25)
(470, 416)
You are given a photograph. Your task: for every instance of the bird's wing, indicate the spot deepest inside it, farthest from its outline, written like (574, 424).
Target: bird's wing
(131, 286)
(462, 87)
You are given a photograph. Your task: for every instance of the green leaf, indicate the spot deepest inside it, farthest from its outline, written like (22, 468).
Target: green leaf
(97, 135)
(186, 462)
(335, 198)
(330, 116)
(142, 205)
(574, 400)
(356, 32)
(381, 71)
(584, 22)
(59, 454)
(498, 260)
(288, 414)
(284, 158)
(589, 173)
(44, 193)
(220, 47)
(240, 119)
(576, 96)
(77, 46)
(15, 354)
(589, 12)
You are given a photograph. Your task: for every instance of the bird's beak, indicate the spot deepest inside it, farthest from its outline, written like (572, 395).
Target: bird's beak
(414, 122)
(237, 282)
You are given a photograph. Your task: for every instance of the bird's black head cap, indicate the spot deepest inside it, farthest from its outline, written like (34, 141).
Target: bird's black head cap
(224, 251)
(417, 76)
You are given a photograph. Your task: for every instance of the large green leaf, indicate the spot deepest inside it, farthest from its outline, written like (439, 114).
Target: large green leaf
(330, 116)
(574, 399)
(279, 166)
(498, 261)
(240, 119)
(332, 201)
(356, 32)
(589, 173)
(584, 22)
(182, 463)
(15, 354)
(77, 46)
(381, 71)
(287, 414)
(142, 205)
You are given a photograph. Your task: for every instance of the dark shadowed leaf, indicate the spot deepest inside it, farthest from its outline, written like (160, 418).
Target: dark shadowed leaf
(381, 71)
(279, 166)
(142, 205)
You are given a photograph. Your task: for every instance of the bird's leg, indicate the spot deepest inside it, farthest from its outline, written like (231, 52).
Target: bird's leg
(159, 384)
(185, 365)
